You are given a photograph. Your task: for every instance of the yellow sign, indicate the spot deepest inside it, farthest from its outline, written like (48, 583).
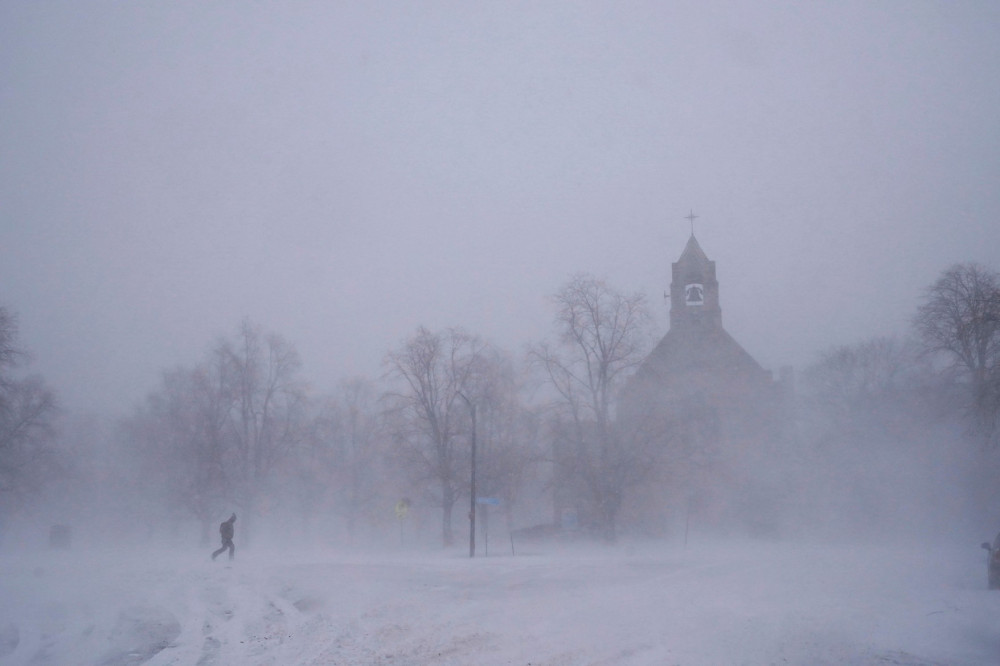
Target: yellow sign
(402, 508)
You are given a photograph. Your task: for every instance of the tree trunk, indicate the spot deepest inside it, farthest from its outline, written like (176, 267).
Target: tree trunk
(447, 505)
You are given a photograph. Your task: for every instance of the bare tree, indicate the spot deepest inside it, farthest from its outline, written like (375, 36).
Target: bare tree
(362, 430)
(508, 436)
(180, 434)
(217, 435)
(430, 419)
(266, 411)
(873, 439)
(26, 430)
(9, 352)
(27, 414)
(601, 340)
(339, 465)
(853, 385)
(960, 318)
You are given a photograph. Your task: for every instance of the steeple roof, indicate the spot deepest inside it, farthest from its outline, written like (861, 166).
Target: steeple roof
(693, 252)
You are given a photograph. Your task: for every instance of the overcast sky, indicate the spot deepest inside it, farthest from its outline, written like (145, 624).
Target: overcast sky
(341, 173)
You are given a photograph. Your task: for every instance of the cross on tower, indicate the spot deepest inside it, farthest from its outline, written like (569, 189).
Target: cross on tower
(691, 218)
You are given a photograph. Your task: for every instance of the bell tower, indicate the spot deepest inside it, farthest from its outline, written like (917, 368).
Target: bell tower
(694, 292)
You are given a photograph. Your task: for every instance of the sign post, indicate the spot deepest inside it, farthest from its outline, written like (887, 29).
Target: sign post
(402, 510)
(487, 502)
(472, 486)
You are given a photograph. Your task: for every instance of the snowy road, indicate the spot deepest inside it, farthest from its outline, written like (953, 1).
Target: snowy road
(746, 603)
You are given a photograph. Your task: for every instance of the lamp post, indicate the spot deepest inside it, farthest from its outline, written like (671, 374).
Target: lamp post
(472, 484)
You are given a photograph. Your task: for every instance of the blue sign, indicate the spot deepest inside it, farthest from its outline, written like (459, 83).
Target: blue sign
(492, 501)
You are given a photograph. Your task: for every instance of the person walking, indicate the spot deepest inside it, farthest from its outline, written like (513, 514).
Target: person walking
(226, 530)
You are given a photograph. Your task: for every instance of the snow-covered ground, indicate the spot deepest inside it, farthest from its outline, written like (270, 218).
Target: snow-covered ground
(717, 604)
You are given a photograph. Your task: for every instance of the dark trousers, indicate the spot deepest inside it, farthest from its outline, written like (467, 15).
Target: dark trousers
(226, 543)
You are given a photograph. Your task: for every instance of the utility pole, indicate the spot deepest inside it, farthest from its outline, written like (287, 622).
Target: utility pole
(472, 484)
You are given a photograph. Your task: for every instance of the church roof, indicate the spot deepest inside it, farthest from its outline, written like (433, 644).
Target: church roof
(683, 352)
(693, 252)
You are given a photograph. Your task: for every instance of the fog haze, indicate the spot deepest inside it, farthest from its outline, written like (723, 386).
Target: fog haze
(194, 197)
(344, 173)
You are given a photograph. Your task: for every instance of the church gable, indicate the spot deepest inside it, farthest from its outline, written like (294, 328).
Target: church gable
(697, 355)
(686, 353)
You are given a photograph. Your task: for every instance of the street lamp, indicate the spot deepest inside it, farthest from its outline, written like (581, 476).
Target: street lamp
(472, 485)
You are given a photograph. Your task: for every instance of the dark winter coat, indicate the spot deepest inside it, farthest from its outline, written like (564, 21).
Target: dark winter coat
(226, 528)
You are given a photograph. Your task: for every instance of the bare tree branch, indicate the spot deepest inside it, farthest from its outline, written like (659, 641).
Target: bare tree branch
(960, 319)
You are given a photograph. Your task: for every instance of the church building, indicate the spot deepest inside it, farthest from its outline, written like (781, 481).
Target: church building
(724, 414)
